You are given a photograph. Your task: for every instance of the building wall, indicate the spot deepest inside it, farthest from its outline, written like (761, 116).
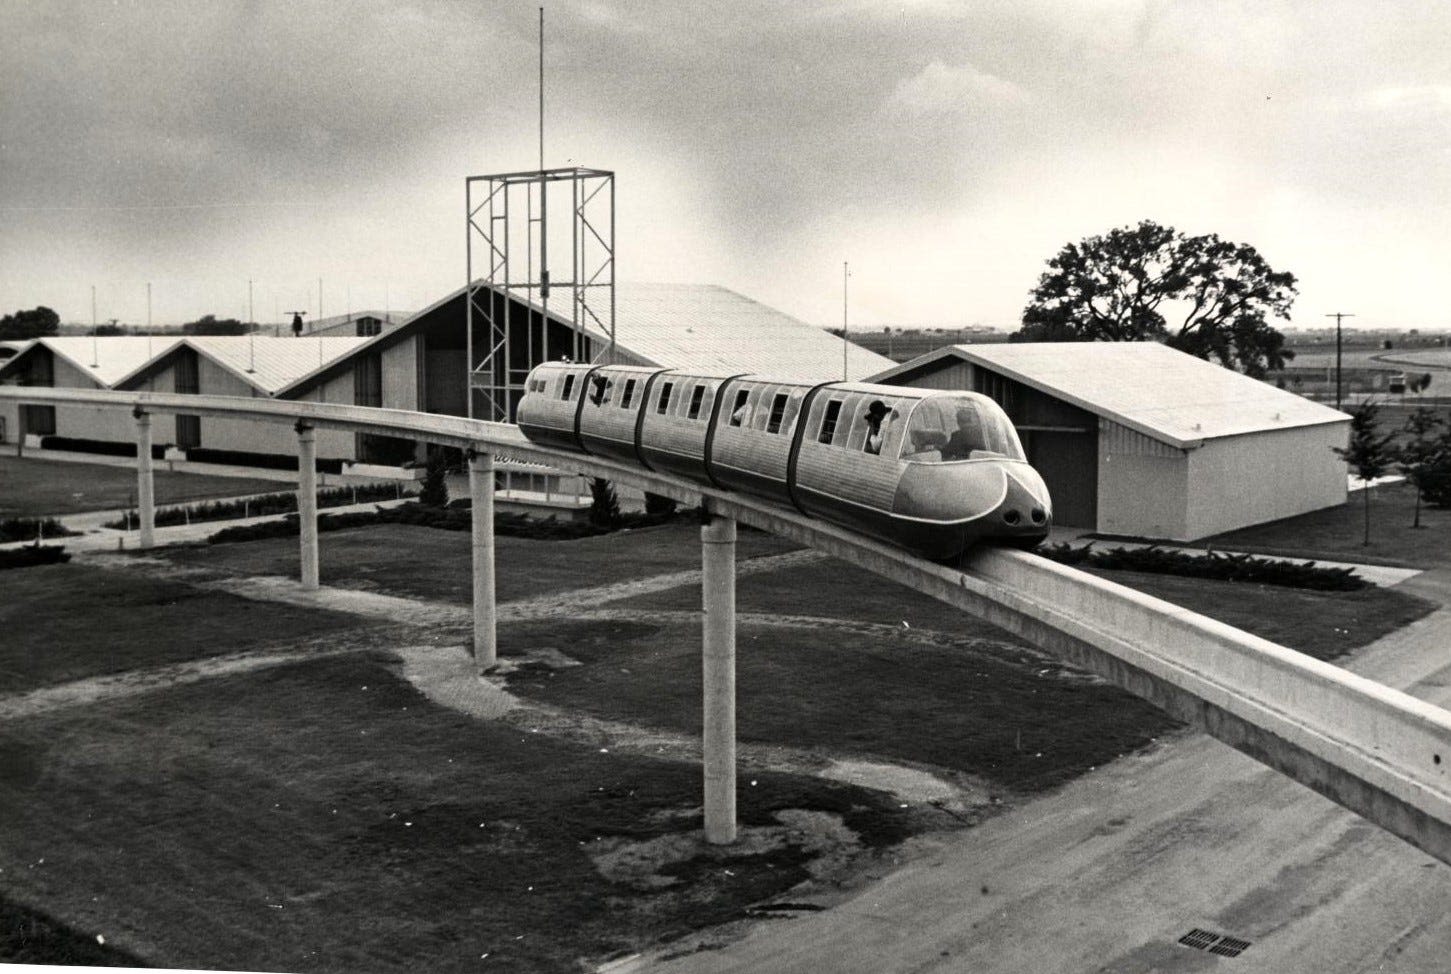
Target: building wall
(88, 422)
(1143, 485)
(334, 444)
(1237, 481)
(400, 375)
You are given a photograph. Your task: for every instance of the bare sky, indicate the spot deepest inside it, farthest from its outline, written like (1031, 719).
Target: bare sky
(945, 149)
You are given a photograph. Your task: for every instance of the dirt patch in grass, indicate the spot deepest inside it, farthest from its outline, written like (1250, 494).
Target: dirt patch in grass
(32, 487)
(68, 622)
(424, 563)
(979, 706)
(326, 817)
(1336, 533)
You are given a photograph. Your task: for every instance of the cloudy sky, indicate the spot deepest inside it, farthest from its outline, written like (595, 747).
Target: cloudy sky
(945, 149)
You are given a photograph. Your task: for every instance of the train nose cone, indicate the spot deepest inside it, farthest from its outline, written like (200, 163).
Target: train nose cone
(1027, 504)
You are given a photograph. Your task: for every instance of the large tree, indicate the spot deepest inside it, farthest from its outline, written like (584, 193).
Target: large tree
(38, 322)
(212, 325)
(1202, 295)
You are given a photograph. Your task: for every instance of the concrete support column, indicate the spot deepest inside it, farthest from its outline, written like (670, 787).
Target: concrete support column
(481, 497)
(307, 503)
(145, 494)
(718, 672)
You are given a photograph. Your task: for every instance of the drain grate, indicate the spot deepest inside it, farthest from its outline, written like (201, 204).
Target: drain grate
(1229, 947)
(1215, 943)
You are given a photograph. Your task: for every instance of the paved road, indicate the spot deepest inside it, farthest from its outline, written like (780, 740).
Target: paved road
(1109, 873)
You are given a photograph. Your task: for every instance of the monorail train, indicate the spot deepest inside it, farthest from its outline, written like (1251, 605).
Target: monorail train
(930, 471)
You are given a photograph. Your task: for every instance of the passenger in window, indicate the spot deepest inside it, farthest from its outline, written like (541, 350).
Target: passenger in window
(600, 394)
(967, 438)
(742, 415)
(876, 427)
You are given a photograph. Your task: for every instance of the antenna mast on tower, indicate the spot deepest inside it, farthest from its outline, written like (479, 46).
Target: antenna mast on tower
(509, 325)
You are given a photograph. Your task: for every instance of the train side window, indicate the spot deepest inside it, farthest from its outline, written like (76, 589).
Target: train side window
(665, 391)
(629, 394)
(739, 412)
(778, 410)
(697, 395)
(829, 421)
(568, 388)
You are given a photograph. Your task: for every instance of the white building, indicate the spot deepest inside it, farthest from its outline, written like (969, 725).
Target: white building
(1138, 439)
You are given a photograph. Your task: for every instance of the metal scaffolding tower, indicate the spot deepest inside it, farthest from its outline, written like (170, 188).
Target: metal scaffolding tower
(509, 294)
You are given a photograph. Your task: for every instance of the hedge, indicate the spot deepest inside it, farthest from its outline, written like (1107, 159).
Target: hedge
(31, 555)
(31, 528)
(279, 503)
(1224, 566)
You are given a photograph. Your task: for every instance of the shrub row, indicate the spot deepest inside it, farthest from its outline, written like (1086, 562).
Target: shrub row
(31, 555)
(104, 447)
(279, 503)
(1224, 566)
(31, 528)
(455, 517)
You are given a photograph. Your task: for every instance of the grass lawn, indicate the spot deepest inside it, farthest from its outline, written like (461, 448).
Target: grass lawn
(1337, 533)
(1323, 624)
(68, 622)
(324, 816)
(31, 487)
(433, 564)
(980, 707)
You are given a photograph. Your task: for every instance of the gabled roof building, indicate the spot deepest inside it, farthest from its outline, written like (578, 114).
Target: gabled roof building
(1138, 439)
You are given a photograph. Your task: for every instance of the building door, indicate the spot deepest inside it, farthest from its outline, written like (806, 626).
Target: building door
(188, 382)
(1068, 463)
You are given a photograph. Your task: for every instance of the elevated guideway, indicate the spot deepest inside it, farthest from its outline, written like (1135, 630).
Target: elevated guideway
(1377, 751)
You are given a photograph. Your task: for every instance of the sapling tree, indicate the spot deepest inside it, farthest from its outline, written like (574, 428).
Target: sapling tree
(434, 492)
(604, 508)
(1424, 449)
(1369, 453)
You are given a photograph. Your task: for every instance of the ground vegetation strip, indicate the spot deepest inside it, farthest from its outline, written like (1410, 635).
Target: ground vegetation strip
(247, 782)
(34, 487)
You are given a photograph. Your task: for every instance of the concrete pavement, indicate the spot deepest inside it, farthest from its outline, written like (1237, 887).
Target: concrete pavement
(1108, 873)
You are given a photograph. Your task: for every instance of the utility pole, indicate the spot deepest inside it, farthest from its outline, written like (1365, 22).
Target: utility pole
(95, 351)
(845, 273)
(251, 331)
(1337, 316)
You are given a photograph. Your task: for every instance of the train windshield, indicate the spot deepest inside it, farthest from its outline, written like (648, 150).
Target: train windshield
(944, 428)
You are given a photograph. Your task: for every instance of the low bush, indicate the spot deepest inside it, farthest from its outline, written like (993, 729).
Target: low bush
(279, 503)
(31, 555)
(32, 528)
(1219, 565)
(450, 518)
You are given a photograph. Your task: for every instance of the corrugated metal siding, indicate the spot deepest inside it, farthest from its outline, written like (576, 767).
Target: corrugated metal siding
(848, 474)
(1122, 441)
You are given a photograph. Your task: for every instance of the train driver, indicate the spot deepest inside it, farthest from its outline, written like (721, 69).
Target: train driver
(967, 438)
